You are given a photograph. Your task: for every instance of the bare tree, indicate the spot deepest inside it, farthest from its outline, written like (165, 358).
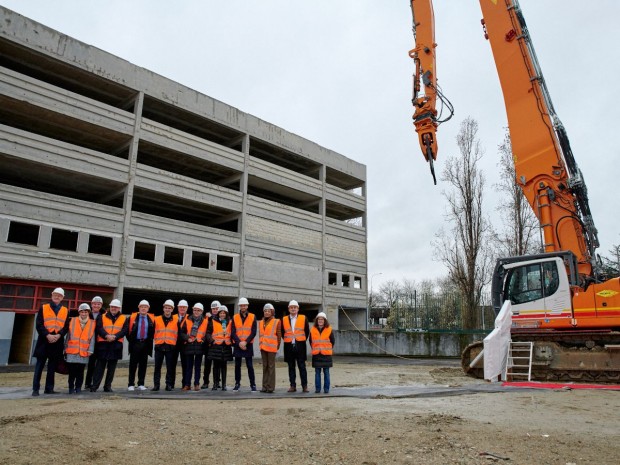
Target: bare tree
(465, 249)
(389, 292)
(519, 235)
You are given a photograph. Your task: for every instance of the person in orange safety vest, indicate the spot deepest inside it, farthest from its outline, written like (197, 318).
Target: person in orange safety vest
(52, 323)
(165, 340)
(79, 346)
(322, 344)
(269, 338)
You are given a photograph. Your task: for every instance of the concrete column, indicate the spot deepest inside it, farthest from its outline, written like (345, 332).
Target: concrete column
(159, 254)
(187, 258)
(245, 147)
(128, 199)
(322, 212)
(4, 229)
(6, 333)
(45, 237)
(82, 243)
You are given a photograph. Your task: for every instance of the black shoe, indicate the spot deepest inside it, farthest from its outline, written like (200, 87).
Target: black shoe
(35, 393)
(78, 391)
(50, 391)
(224, 388)
(169, 388)
(93, 389)
(215, 387)
(236, 388)
(156, 388)
(205, 386)
(107, 389)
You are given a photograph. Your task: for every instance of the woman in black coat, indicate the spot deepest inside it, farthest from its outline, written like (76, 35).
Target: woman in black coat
(220, 349)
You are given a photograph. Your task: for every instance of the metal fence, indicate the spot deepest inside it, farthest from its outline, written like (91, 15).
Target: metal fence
(432, 312)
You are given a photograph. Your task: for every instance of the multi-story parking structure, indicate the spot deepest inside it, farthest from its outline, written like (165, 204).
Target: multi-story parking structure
(116, 181)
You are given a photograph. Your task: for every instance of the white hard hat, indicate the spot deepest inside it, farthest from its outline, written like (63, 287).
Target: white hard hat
(215, 304)
(144, 302)
(59, 290)
(243, 301)
(268, 307)
(223, 308)
(169, 302)
(293, 303)
(182, 303)
(198, 305)
(97, 299)
(321, 315)
(84, 307)
(115, 303)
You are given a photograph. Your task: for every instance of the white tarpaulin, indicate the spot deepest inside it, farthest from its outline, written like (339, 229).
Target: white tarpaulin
(497, 343)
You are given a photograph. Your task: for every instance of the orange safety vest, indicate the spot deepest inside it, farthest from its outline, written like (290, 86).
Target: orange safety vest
(297, 332)
(202, 329)
(132, 319)
(166, 334)
(244, 329)
(79, 338)
(268, 337)
(54, 322)
(112, 327)
(221, 336)
(320, 341)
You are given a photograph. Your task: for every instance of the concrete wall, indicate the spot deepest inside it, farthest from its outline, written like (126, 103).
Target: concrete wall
(405, 344)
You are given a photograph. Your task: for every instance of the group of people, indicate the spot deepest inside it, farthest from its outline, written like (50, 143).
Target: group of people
(93, 342)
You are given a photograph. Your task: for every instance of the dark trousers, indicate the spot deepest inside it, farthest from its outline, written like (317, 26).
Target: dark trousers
(301, 364)
(90, 371)
(250, 366)
(38, 372)
(183, 363)
(171, 367)
(269, 370)
(193, 366)
(138, 359)
(76, 376)
(207, 372)
(100, 367)
(220, 367)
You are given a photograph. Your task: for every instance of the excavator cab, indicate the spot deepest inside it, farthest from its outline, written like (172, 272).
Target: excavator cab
(538, 288)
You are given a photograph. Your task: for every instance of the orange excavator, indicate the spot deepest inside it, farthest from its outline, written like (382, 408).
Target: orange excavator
(561, 299)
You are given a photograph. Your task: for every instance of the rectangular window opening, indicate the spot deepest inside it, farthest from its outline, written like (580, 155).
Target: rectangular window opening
(357, 282)
(100, 245)
(23, 233)
(332, 279)
(64, 240)
(346, 280)
(224, 263)
(200, 260)
(173, 256)
(144, 251)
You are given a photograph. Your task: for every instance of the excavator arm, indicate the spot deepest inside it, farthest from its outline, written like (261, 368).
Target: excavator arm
(545, 167)
(424, 103)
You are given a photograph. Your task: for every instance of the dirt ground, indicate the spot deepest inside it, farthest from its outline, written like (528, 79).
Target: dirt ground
(513, 426)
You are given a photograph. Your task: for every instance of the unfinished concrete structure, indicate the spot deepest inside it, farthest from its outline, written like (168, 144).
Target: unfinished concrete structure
(117, 181)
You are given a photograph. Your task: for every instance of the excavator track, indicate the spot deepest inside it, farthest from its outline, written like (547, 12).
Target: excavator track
(578, 356)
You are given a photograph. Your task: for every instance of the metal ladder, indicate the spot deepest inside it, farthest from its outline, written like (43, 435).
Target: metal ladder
(519, 363)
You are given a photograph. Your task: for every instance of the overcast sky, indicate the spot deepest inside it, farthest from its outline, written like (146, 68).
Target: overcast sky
(337, 72)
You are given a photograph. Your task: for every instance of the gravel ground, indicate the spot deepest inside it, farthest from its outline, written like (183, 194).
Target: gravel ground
(513, 426)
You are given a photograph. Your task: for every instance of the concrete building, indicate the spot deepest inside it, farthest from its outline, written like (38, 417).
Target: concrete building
(116, 181)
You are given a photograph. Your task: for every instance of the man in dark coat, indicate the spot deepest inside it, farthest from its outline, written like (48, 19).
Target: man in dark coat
(242, 334)
(111, 329)
(140, 337)
(295, 331)
(52, 324)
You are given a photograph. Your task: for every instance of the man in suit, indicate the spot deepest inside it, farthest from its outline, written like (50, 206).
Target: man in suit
(140, 336)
